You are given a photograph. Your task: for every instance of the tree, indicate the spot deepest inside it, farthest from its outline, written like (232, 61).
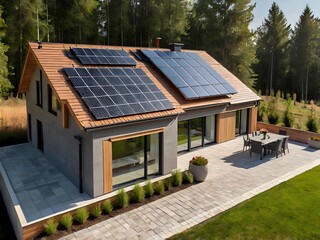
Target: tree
(5, 85)
(272, 52)
(224, 26)
(305, 56)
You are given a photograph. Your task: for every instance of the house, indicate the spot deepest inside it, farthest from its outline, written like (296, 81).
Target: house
(109, 116)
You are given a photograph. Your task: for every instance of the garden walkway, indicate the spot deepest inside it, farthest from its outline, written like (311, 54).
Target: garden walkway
(233, 178)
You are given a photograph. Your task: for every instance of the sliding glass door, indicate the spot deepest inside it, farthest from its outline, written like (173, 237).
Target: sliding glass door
(135, 158)
(196, 132)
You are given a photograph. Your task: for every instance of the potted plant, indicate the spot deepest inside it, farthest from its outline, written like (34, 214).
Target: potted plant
(198, 167)
(314, 142)
(264, 132)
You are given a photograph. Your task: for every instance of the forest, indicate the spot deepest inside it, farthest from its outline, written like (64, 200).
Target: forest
(276, 57)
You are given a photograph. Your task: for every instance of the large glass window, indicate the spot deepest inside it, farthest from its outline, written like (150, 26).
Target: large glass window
(183, 128)
(196, 132)
(52, 101)
(241, 121)
(135, 158)
(210, 129)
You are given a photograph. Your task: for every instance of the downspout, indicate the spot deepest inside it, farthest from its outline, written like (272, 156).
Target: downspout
(80, 138)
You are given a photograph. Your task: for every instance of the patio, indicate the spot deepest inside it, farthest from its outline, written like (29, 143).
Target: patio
(233, 178)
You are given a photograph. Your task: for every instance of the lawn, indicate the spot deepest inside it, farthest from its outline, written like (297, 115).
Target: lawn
(290, 210)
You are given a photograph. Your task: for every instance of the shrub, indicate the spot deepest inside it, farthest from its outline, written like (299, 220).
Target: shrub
(312, 124)
(81, 215)
(288, 118)
(96, 211)
(137, 194)
(176, 178)
(66, 221)
(315, 139)
(149, 191)
(122, 199)
(273, 117)
(262, 108)
(107, 206)
(199, 161)
(187, 177)
(50, 227)
(168, 184)
(159, 188)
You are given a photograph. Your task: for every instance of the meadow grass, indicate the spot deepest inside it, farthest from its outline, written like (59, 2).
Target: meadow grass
(290, 210)
(13, 121)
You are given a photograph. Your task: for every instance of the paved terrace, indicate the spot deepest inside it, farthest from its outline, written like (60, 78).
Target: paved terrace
(233, 178)
(41, 190)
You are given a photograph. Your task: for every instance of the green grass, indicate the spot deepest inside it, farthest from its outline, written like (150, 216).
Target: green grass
(290, 210)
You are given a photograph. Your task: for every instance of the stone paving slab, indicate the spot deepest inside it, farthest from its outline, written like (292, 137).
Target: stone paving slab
(233, 178)
(39, 187)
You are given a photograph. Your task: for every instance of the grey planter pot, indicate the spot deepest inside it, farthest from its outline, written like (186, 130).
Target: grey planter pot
(314, 144)
(199, 172)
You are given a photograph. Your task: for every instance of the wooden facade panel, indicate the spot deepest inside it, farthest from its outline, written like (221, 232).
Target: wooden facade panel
(107, 166)
(226, 123)
(252, 119)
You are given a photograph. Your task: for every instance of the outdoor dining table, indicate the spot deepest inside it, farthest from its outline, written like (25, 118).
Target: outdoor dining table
(270, 138)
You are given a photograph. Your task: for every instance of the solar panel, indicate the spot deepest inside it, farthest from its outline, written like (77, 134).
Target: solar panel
(193, 77)
(95, 56)
(116, 92)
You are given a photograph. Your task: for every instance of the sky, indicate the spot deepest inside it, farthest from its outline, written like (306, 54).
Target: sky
(292, 10)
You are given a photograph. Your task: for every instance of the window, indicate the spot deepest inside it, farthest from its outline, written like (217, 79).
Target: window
(39, 91)
(241, 121)
(136, 158)
(29, 127)
(52, 101)
(196, 132)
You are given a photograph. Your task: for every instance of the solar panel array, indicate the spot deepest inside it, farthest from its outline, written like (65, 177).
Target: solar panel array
(190, 74)
(95, 56)
(115, 92)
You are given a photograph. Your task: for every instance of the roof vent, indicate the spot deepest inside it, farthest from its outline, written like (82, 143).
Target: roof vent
(176, 47)
(39, 45)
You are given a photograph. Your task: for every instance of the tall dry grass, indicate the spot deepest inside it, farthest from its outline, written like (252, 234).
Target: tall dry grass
(13, 121)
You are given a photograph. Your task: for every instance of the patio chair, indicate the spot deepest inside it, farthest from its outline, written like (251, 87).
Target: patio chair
(282, 132)
(285, 145)
(246, 144)
(275, 147)
(256, 147)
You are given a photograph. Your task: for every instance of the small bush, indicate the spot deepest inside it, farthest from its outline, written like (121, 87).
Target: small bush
(315, 139)
(81, 215)
(159, 188)
(137, 194)
(199, 161)
(50, 227)
(312, 124)
(176, 178)
(273, 117)
(66, 221)
(122, 199)
(96, 211)
(107, 207)
(168, 184)
(187, 177)
(149, 191)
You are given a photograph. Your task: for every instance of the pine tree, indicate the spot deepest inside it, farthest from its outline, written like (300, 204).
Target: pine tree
(305, 56)
(223, 28)
(272, 52)
(5, 85)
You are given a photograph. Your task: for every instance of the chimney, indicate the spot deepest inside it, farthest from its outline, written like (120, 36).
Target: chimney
(158, 42)
(176, 47)
(39, 45)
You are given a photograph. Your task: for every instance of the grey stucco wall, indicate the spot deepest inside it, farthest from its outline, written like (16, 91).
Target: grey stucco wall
(60, 146)
(170, 147)
(169, 143)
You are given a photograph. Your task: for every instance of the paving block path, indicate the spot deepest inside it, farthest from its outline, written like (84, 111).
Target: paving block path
(233, 178)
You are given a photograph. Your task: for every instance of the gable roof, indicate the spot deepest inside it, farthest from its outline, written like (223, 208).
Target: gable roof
(52, 58)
